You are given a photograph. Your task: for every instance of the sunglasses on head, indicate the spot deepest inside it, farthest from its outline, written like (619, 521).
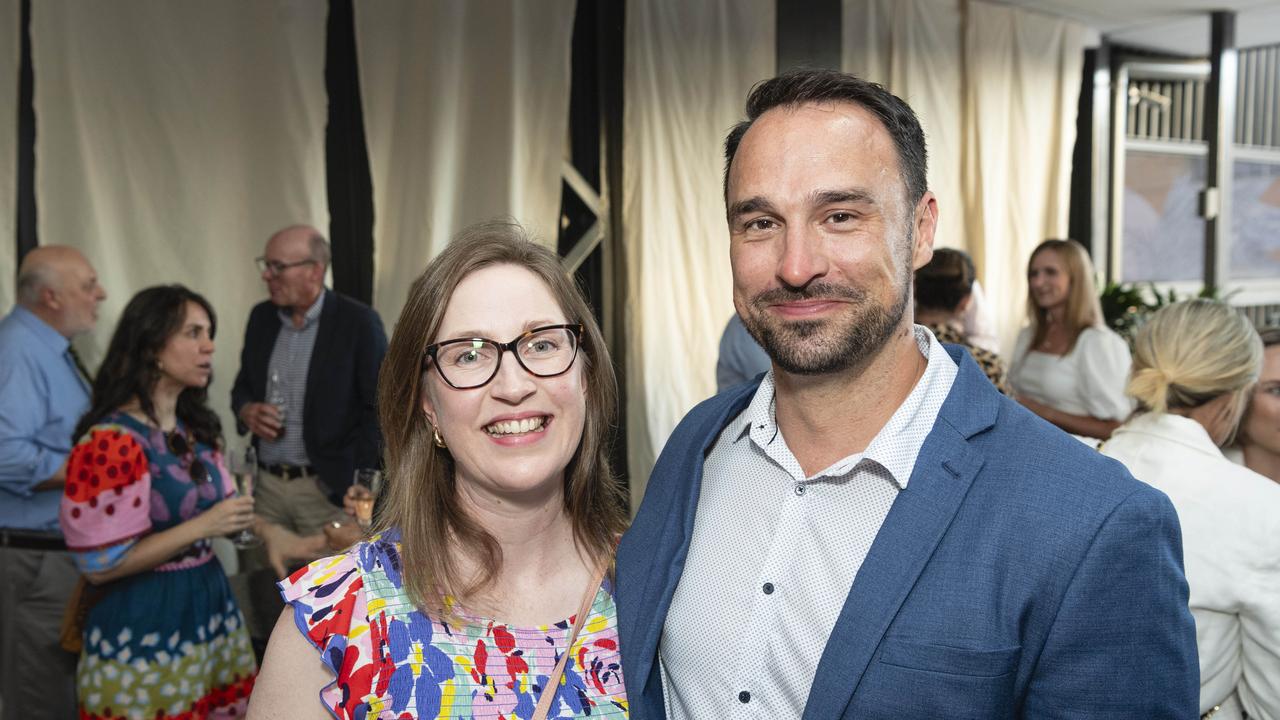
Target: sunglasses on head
(180, 444)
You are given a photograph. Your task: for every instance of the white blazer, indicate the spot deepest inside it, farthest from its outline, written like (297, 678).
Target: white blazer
(1230, 519)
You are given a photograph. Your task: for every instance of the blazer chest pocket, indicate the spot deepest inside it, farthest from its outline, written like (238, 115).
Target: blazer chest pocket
(915, 678)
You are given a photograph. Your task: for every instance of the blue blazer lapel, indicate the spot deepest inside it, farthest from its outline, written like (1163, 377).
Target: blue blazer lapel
(652, 554)
(322, 356)
(915, 525)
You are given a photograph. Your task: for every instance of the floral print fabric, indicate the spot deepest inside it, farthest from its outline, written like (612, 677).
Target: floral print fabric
(169, 642)
(392, 661)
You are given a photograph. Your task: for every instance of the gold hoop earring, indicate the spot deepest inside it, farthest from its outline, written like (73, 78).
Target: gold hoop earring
(435, 437)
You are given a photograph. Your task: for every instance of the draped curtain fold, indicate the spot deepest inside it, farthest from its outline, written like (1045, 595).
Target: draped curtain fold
(913, 48)
(170, 157)
(995, 88)
(1024, 72)
(688, 69)
(10, 57)
(466, 110)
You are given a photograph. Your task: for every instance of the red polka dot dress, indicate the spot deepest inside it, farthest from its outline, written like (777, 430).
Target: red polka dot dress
(169, 642)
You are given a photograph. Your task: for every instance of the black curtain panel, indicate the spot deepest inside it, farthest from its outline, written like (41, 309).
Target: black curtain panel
(25, 230)
(349, 185)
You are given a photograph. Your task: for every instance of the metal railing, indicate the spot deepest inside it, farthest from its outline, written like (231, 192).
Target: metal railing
(1258, 88)
(1172, 109)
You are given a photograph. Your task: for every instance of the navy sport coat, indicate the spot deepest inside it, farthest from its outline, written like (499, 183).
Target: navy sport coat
(1020, 574)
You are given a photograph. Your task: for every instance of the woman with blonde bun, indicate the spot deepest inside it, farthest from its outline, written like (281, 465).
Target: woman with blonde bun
(1194, 366)
(1067, 366)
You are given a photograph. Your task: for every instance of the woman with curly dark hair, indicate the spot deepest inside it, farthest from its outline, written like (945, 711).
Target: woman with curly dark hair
(146, 492)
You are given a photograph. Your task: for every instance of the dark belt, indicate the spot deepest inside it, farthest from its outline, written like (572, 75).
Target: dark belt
(289, 472)
(20, 540)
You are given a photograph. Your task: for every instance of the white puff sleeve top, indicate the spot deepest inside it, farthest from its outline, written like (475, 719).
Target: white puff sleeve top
(1089, 380)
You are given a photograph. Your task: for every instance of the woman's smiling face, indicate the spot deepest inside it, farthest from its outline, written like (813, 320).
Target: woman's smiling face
(515, 435)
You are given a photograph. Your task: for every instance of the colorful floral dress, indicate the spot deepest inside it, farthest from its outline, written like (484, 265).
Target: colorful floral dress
(169, 642)
(392, 661)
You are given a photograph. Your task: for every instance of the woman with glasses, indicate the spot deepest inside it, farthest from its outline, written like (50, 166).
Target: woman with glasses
(483, 591)
(146, 492)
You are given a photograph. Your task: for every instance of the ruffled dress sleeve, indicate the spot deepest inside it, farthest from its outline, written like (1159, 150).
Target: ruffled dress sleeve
(1104, 363)
(106, 504)
(330, 609)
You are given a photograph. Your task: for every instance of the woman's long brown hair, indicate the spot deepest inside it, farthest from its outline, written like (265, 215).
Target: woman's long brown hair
(422, 500)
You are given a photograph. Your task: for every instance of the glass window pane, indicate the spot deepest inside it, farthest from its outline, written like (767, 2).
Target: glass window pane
(1255, 221)
(1163, 235)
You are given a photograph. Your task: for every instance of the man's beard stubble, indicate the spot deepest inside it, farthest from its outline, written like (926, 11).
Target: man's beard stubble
(799, 347)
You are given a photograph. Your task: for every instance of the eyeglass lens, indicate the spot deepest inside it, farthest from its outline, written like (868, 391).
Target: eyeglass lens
(272, 266)
(544, 353)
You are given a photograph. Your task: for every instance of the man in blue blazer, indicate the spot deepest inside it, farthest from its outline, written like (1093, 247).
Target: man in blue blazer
(870, 529)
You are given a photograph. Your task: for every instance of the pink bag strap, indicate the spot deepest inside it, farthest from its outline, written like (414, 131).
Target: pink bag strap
(553, 681)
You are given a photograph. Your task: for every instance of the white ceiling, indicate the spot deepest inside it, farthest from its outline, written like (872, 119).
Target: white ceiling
(1175, 26)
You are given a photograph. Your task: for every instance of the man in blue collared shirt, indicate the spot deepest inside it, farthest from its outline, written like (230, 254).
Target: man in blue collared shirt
(42, 395)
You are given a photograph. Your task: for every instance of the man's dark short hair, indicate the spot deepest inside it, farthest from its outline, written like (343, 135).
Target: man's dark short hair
(807, 85)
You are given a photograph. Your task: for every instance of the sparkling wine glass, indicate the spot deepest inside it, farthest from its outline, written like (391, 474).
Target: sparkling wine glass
(276, 397)
(368, 483)
(244, 469)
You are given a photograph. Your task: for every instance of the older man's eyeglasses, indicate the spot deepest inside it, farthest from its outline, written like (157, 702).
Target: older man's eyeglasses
(274, 267)
(466, 363)
(181, 445)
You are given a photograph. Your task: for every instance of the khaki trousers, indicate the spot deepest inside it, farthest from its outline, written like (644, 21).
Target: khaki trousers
(37, 677)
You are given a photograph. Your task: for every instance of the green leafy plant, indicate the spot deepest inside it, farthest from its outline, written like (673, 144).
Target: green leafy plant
(1126, 306)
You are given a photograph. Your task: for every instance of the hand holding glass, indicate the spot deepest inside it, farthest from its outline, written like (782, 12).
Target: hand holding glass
(244, 469)
(367, 485)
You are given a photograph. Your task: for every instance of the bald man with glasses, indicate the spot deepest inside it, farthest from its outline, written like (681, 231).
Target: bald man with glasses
(319, 353)
(43, 392)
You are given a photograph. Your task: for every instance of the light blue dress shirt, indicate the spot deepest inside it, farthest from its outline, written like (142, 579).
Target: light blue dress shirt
(291, 362)
(42, 396)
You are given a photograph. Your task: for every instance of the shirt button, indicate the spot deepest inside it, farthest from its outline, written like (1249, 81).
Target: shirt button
(744, 697)
(768, 588)
(799, 488)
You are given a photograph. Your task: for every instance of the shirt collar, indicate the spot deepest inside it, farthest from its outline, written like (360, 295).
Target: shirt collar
(1176, 428)
(312, 314)
(43, 331)
(759, 420)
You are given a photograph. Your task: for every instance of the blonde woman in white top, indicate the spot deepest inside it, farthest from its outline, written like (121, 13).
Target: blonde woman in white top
(1195, 363)
(1068, 367)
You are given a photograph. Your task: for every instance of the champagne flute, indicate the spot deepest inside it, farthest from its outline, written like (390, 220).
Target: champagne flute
(275, 396)
(368, 481)
(244, 469)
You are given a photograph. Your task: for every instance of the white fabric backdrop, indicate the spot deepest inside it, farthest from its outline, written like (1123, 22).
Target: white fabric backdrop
(466, 110)
(913, 48)
(995, 88)
(172, 139)
(1024, 82)
(689, 67)
(10, 55)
